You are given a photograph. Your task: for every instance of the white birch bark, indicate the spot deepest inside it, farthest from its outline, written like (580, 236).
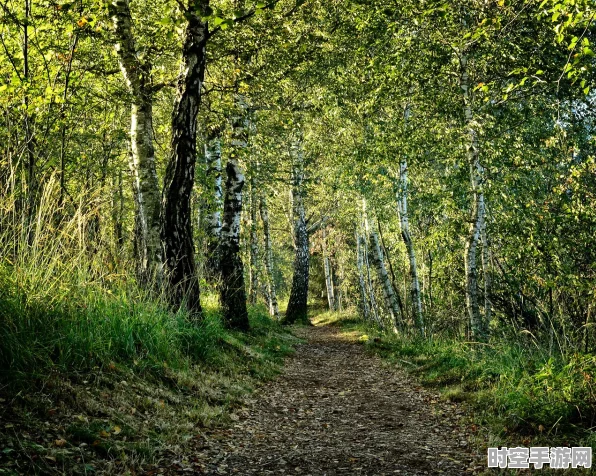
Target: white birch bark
(477, 209)
(328, 274)
(212, 219)
(271, 292)
(379, 263)
(149, 257)
(402, 200)
(232, 289)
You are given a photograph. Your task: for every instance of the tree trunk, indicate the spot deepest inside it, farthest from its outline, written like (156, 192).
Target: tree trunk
(214, 205)
(379, 264)
(147, 245)
(477, 209)
(402, 309)
(339, 286)
(487, 280)
(232, 290)
(328, 275)
(298, 303)
(371, 291)
(176, 226)
(402, 200)
(254, 244)
(271, 292)
(361, 279)
(429, 292)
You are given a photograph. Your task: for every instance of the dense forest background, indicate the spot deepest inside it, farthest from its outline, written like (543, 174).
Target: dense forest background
(169, 165)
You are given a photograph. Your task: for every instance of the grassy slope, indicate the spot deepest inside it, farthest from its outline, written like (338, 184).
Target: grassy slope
(519, 394)
(120, 383)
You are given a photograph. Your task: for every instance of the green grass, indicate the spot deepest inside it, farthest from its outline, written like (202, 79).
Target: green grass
(106, 329)
(517, 389)
(89, 372)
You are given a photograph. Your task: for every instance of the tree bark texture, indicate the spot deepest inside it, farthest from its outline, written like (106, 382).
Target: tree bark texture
(176, 229)
(382, 274)
(232, 288)
(328, 274)
(477, 207)
(298, 303)
(147, 244)
(214, 205)
(271, 292)
(402, 201)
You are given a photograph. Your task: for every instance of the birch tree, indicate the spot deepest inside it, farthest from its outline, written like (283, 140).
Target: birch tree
(137, 74)
(402, 200)
(328, 273)
(232, 288)
(214, 203)
(298, 304)
(176, 223)
(253, 241)
(378, 262)
(477, 210)
(271, 291)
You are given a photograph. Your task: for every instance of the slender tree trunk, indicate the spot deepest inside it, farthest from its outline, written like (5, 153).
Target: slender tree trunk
(232, 289)
(147, 245)
(176, 220)
(361, 278)
(298, 303)
(214, 205)
(402, 200)
(254, 243)
(402, 309)
(328, 274)
(429, 293)
(271, 292)
(477, 208)
(340, 288)
(371, 290)
(379, 264)
(487, 280)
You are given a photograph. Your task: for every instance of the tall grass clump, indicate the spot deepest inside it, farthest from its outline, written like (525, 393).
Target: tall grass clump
(68, 303)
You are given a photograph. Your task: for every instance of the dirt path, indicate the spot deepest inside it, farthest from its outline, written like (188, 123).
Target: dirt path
(338, 410)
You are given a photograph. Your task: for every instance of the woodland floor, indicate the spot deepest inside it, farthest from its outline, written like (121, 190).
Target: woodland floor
(336, 409)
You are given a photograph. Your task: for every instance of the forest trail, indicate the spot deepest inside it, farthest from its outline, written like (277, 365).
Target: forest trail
(338, 410)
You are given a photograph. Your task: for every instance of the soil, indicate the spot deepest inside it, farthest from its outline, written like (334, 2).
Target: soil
(337, 409)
